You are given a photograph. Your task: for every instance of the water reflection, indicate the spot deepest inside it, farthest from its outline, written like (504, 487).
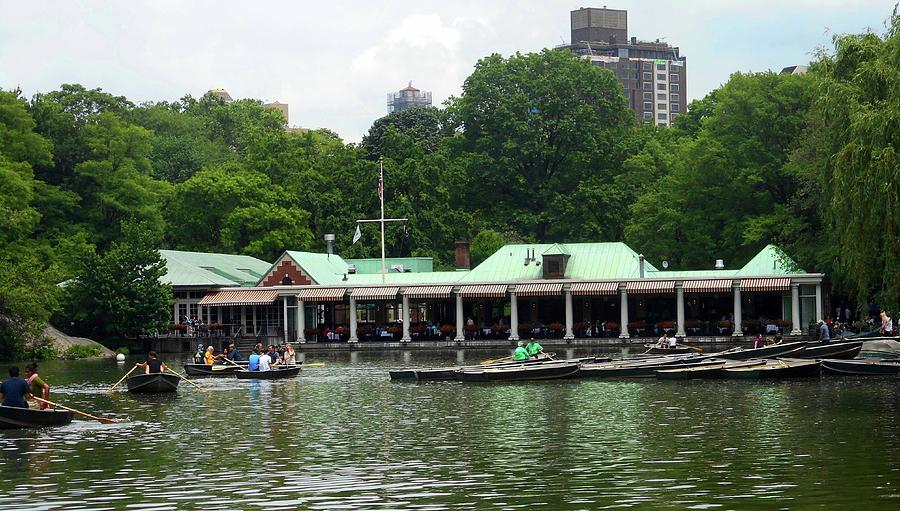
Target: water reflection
(343, 436)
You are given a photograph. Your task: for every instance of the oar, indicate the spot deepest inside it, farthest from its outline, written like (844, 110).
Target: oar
(189, 381)
(123, 378)
(487, 362)
(693, 348)
(231, 361)
(79, 412)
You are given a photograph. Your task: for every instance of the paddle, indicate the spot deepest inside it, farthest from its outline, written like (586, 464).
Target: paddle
(226, 359)
(123, 378)
(693, 348)
(103, 420)
(495, 360)
(189, 381)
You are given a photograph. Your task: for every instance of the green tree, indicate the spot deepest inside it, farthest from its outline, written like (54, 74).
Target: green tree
(119, 292)
(425, 125)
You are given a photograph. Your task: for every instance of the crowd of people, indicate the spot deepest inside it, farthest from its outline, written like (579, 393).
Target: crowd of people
(260, 359)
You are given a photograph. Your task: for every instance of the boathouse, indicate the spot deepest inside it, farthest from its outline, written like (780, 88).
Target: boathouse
(565, 291)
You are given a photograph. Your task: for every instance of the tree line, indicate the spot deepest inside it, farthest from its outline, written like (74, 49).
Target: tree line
(538, 147)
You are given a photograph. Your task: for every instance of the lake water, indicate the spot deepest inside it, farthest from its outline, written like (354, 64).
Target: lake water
(345, 437)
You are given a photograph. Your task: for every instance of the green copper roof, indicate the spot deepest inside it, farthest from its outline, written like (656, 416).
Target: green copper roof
(586, 261)
(435, 277)
(211, 269)
(770, 261)
(557, 249)
(323, 269)
(412, 264)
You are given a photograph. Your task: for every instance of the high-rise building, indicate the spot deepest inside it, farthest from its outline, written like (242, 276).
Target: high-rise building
(222, 93)
(653, 74)
(408, 97)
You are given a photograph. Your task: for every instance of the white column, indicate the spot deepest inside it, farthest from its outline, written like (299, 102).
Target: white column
(737, 312)
(460, 333)
(176, 319)
(301, 321)
(796, 328)
(284, 326)
(353, 337)
(624, 315)
(513, 317)
(819, 315)
(219, 315)
(679, 295)
(569, 334)
(406, 337)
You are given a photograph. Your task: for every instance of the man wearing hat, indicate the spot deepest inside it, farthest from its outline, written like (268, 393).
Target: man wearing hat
(824, 335)
(521, 353)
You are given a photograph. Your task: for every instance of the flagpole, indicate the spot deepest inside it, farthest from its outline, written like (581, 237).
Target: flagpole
(381, 196)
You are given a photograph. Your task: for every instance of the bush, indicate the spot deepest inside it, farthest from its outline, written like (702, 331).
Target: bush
(123, 350)
(81, 351)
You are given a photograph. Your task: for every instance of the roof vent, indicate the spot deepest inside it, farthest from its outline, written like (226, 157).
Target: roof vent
(720, 264)
(399, 268)
(351, 269)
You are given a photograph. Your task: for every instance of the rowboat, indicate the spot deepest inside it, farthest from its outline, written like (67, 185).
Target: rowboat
(12, 417)
(862, 367)
(203, 370)
(837, 350)
(272, 374)
(546, 371)
(655, 349)
(780, 368)
(153, 383)
(451, 372)
(787, 349)
(711, 370)
(639, 369)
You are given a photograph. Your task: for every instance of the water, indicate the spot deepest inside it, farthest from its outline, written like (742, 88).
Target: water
(345, 437)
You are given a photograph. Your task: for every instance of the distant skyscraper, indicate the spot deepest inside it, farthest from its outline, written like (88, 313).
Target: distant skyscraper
(222, 93)
(408, 97)
(653, 74)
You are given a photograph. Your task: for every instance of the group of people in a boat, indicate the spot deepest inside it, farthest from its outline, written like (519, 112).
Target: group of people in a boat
(278, 355)
(19, 392)
(265, 360)
(525, 351)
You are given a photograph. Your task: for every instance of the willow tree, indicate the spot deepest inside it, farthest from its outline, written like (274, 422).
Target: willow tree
(855, 127)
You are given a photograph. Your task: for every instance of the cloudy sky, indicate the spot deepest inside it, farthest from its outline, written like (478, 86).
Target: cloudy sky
(334, 62)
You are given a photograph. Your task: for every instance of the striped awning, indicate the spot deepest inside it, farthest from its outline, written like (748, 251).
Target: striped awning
(707, 286)
(650, 287)
(327, 294)
(375, 293)
(483, 291)
(595, 288)
(428, 292)
(240, 297)
(773, 284)
(550, 289)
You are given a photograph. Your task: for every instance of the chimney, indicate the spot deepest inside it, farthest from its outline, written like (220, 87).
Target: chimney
(720, 264)
(462, 255)
(641, 264)
(329, 240)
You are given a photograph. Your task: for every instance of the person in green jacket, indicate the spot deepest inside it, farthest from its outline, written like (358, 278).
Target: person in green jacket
(520, 354)
(534, 348)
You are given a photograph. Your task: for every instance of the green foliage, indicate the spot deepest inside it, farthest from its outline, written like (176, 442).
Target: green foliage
(486, 243)
(77, 351)
(118, 293)
(425, 125)
(123, 350)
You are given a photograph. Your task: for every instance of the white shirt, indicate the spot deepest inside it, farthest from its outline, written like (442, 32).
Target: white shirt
(672, 342)
(264, 361)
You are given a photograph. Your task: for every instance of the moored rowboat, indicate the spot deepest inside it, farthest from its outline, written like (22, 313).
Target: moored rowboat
(837, 350)
(271, 374)
(711, 370)
(862, 367)
(546, 371)
(787, 349)
(780, 368)
(153, 383)
(12, 417)
(655, 349)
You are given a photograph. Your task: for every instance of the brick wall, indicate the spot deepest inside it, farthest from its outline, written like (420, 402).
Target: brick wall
(287, 268)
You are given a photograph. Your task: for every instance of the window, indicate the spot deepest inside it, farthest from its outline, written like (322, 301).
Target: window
(181, 294)
(673, 78)
(673, 87)
(676, 108)
(648, 95)
(648, 115)
(674, 116)
(661, 96)
(648, 86)
(648, 76)
(660, 67)
(648, 106)
(196, 294)
(661, 77)
(635, 75)
(675, 69)
(660, 106)
(648, 66)
(661, 116)
(661, 86)
(673, 98)
(553, 267)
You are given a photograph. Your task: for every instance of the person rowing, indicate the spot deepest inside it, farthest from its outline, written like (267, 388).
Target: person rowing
(153, 364)
(233, 354)
(534, 348)
(14, 391)
(521, 354)
(37, 385)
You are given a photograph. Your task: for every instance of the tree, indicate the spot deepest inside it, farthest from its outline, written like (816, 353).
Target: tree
(119, 292)
(425, 125)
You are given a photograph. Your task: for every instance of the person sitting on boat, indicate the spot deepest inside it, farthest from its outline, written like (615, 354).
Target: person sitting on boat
(198, 357)
(673, 342)
(14, 391)
(153, 364)
(778, 337)
(233, 354)
(209, 358)
(824, 336)
(521, 353)
(37, 385)
(253, 361)
(265, 361)
(534, 348)
(663, 341)
(290, 357)
(757, 341)
(273, 355)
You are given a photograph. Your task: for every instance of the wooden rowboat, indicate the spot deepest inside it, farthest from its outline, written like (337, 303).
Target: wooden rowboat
(203, 370)
(711, 370)
(655, 349)
(780, 368)
(862, 367)
(153, 383)
(12, 417)
(271, 374)
(787, 349)
(546, 371)
(837, 350)
(641, 368)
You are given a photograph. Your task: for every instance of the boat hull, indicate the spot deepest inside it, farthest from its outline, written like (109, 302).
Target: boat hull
(153, 383)
(272, 374)
(796, 368)
(861, 367)
(547, 371)
(19, 418)
(837, 350)
(708, 371)
(207, 371)
(637, 369)
(788, 349)
(653, 349)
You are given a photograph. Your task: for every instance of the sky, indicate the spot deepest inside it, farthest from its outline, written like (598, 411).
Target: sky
(334, 62)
